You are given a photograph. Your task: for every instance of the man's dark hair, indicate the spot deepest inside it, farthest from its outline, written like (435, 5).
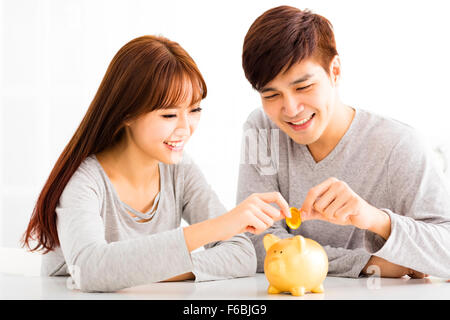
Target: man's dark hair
(282, 37)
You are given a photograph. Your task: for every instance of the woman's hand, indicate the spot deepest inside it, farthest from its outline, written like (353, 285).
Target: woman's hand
(388, 269)
(334, 201)
(255, 214)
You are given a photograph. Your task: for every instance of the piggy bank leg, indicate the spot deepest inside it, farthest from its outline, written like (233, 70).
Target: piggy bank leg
(318, 289)
(272, 290)
(298, 291)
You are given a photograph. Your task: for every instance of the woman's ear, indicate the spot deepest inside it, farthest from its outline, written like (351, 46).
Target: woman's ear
(127, 123)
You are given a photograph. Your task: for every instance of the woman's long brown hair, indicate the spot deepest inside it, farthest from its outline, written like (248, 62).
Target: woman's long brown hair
(146, 74)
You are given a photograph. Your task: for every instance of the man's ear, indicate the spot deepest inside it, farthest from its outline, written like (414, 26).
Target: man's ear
(269, 240)
(335, 70)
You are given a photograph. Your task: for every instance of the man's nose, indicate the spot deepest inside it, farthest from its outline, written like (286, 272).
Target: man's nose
(292, 107)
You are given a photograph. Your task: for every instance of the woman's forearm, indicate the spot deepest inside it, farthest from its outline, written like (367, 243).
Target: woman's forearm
(254, 214)
(199, 234)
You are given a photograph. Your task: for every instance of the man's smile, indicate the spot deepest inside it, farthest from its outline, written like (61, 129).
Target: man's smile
(301, 124)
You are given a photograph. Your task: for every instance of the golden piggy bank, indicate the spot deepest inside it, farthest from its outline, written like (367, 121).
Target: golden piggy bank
(296, 265)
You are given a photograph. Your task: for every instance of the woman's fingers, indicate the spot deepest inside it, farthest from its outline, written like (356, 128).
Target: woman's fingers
(269, 210)
(267, 220)
(260, 213)
(257, 221)
(275, 197)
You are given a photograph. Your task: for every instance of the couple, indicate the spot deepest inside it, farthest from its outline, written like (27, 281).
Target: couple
(111, 208)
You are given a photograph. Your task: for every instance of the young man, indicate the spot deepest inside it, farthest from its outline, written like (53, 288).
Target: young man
(368, 187)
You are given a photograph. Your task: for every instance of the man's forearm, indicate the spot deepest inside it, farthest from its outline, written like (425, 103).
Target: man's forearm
(381, 224)
(181, 277)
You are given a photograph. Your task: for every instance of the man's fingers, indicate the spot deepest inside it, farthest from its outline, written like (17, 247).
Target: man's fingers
(312, 215)
(316, 192)
(416, 274)
(343, 213)
(335, 209)
(325, 201)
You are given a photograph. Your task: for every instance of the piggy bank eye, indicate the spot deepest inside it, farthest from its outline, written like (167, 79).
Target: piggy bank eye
(281, 251)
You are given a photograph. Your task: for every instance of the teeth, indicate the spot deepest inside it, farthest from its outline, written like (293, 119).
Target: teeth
(177, 144)
(303, 121)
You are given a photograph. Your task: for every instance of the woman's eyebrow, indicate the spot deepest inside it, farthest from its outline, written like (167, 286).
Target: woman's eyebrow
(172, 107)
(194, 105)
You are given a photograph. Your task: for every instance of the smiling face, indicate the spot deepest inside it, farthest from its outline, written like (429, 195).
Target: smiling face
(162, 134)
(301, 101)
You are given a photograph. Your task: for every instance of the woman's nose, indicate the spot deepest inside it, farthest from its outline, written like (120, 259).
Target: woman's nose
(183, 125)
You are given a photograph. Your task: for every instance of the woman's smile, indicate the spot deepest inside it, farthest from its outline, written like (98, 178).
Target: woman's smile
(175, 145)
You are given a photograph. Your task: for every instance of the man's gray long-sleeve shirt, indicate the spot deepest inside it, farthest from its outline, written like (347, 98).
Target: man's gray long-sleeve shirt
(105, 249)
(385, 162)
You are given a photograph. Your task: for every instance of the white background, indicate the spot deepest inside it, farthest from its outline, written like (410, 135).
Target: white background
(53, 55)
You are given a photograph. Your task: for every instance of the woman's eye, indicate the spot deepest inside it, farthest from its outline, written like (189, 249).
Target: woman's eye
(169, 115)
(197, 109)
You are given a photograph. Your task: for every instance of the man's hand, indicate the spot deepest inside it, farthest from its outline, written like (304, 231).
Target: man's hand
(334, 201)
(391, 270)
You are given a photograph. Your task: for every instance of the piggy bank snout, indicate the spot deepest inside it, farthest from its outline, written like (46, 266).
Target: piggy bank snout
(275, 266)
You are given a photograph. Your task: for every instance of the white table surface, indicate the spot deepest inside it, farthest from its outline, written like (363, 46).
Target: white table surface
(250, 288)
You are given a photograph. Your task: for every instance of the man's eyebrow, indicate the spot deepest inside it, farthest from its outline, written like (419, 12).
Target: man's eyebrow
(266, 89)
(299, 80)
(302, 79)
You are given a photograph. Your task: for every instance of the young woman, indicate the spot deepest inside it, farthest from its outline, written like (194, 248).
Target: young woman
(110, 211)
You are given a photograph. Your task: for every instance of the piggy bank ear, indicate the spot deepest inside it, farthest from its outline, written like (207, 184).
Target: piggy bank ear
(269, 240)
(300, 243)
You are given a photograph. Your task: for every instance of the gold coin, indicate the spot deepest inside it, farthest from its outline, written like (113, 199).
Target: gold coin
(296, 220)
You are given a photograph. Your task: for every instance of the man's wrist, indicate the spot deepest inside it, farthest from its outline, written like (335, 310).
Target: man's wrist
(368, 263)
(381, 224)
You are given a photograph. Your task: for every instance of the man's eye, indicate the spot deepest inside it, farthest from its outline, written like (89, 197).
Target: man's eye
(303, 88)
(169, 115)
(271, 97)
